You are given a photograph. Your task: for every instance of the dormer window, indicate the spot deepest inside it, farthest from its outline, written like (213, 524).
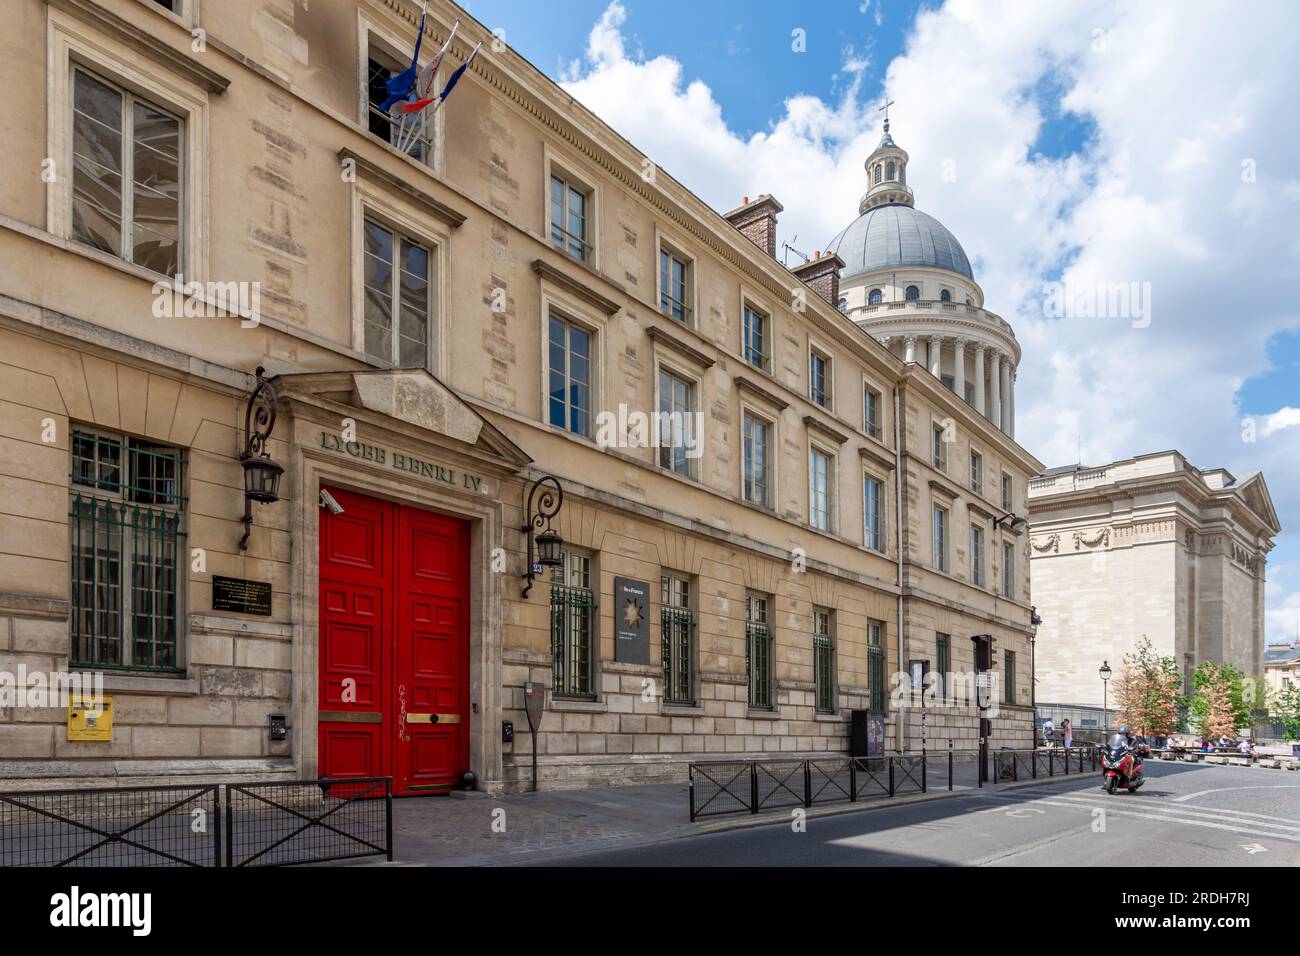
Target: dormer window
(912, 294)
(875, 297)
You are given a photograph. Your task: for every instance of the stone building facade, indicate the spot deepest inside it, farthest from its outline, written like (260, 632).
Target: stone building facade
(1147, 547)
(447, 313)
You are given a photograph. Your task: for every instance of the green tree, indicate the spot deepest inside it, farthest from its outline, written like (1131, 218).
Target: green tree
(1285, 709)
(1219, 700)
(1148, 694)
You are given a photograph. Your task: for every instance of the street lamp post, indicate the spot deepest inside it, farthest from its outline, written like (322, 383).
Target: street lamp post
(1105, 678)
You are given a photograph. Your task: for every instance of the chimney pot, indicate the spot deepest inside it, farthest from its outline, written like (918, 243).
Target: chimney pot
(757, 221)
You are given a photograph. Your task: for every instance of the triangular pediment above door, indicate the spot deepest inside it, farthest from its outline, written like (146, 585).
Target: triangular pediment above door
(415, 397)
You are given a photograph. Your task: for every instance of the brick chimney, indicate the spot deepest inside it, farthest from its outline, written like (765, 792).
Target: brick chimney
(822, 275)
(757, 221)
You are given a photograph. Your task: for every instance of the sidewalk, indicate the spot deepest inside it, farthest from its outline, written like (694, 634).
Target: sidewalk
(459, 831)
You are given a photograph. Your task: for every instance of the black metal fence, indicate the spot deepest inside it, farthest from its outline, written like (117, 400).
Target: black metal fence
(749, 786)
(256, 824)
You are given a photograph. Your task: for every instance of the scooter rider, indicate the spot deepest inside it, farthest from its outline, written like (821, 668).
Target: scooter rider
(1127, 733)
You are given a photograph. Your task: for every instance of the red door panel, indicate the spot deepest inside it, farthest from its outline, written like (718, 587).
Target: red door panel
(394, 644)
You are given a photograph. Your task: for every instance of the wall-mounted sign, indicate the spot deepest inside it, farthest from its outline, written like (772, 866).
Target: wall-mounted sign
(90, 719)
(241, 596)
(403, 462)
(631, 621)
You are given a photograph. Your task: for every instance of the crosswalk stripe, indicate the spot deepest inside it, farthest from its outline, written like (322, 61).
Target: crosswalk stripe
(1192, 812)
(1262, 819)
(1080, 804)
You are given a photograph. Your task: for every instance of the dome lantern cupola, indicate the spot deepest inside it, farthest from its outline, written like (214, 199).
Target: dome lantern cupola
(886, 175)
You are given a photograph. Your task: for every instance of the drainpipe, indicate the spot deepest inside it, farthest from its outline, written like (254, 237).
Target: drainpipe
(898, 522)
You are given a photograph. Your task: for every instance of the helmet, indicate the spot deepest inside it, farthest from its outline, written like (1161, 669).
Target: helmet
(1125, 729)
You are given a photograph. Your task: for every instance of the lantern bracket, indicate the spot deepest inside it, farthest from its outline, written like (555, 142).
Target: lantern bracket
(545, 499)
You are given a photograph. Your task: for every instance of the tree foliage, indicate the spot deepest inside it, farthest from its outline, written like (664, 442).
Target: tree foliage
(1148, 693)
(1284, 707)
(1220, 700)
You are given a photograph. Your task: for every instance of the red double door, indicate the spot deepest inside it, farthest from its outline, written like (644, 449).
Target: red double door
(394, 644)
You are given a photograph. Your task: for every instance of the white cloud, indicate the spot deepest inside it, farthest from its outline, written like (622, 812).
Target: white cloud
(1182, 101)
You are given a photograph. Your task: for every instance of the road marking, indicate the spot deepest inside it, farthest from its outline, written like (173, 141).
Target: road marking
(1281, 823)
(1253, 848)
(1201, 793)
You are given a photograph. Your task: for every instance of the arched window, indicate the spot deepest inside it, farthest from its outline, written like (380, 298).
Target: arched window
(877, 175)
(913, 293)
(843, 304)
(902, 173)
(945, 296)
(889, 170)
(875, 297)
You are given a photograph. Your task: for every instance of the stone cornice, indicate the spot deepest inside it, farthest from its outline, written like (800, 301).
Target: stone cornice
(662, 336)
(124, 31)
(576, 286)
(745, 384)
(372, 170)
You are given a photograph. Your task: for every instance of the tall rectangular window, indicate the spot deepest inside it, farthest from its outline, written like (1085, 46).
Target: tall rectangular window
(871, 421)
(823, 661)
(676, 423)
(409, 132)
(677, 638)
(126, 175)
(673, 279)
(1008, 570)
(876, 665)
(757, 348)
(939, 539)
(1008, 677)
(977, 472)
(126, 517)
(570, 230)
(1006, 492)
(757, 463)
(758, 651)
(397, 297)
(569, 349)
(819, 378)
(821, 489)
(939, 448)
(943, 662)
(977, 556)
(573, 617)
(873, 507)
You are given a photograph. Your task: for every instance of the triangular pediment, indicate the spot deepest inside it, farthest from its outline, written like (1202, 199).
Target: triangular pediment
(415, 397)
(1254, 492)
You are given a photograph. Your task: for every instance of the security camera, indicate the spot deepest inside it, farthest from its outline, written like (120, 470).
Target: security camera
(327, 501)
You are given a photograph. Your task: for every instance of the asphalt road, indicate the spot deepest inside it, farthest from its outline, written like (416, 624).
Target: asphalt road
(1185, 815)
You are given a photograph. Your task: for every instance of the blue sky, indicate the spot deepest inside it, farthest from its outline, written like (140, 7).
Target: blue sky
(1092, 141)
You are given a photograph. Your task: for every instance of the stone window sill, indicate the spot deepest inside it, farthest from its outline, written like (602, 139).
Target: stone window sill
(681, 710)
(577, 705)
(773, 714)
(133, 684)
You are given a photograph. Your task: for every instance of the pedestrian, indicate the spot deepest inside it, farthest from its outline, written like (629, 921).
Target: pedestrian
(1049, 735)
(1067, 733)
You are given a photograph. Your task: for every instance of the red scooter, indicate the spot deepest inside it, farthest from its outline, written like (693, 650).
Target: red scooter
(1121, 764)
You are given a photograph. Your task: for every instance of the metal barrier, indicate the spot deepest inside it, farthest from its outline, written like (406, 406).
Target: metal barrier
(748, 786)
(124, 826)
(308, 821)
(256, 824)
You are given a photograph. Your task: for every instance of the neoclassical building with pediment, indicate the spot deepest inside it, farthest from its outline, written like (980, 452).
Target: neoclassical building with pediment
(1152, 547)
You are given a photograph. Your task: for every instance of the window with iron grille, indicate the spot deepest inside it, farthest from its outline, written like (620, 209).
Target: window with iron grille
(1009, 677)
(758, 651)
(823, 661)
(875, 665)
(677, 635)
(570, 230)
(397, 298)
(126, 175)
(573, 617)
(943, 660)
(674, 279)
(755, 334)
(127, 524)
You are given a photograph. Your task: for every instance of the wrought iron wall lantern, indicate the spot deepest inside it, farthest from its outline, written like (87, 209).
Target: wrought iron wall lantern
(543, 549)
(1012, 522)
(261, 472)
